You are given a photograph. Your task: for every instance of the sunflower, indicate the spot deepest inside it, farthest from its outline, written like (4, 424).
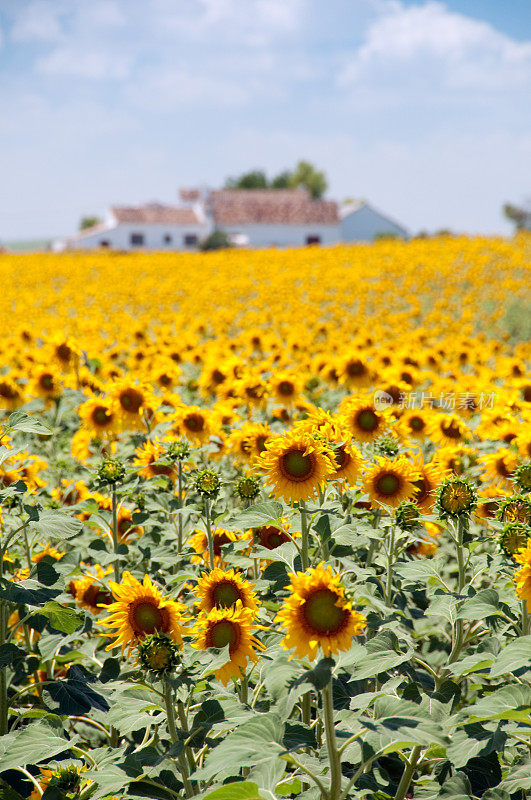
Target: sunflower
(523, 577)
(10, 393)
(46, 384)
(448, 429)
(192, 422)
(223, 588)
(429, 477)
(317, 614)
(199, 542)
(285, 387)
(499, 467)
(271, 537)
(230, 626)
(132, 400)
(89, 592)
(354, 371)
(363, 421)
(99, 416)
(296, 464)
(148, 457)
(413, 424)
(389, 481)
(139, 609)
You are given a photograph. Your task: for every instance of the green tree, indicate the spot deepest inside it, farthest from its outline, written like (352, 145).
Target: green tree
(88, 222)
(256, 179)
(310, 178)
(217, 240)
(284, 180)
(519, 216)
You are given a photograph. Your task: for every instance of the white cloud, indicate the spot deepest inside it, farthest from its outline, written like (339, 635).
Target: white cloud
(89, 63)
(430, 44)
(170, 89)
(38, 21)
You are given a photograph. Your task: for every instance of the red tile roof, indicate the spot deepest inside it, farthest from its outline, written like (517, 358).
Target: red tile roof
(271, 207)
(155, 214)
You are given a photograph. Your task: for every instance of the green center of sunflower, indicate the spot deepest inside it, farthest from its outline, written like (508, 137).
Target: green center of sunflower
(273, 539)
(296, 465)
(225, 594)
(131, 400)
(286, 388)
(367, 420)
(451, 431)
(416, 423)
(148, 618)
(101, 416)
(47, 381)
(388, 483)
(223, 633)
(194, 422)
(321, 612)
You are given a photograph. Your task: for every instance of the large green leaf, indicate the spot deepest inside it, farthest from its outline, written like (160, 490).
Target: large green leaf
(20, 421)
(514, 656)
(509, 702)
(33, 744)
(484, 604)
(259, 514)
(57, 525)
(519, 778)
(256, 741)
(62, 618)
(239, 790)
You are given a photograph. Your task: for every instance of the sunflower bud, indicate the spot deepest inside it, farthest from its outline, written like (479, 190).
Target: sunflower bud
(516, 509)
(207, 482)
(456, 497)
(111, 470)
(158, 654)
(247, 487)
(513, 538)
(408, 516)
(178, 451)
(387, 446)
(522, 476)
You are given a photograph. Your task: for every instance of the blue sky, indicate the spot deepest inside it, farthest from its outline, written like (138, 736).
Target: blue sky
(423, 108)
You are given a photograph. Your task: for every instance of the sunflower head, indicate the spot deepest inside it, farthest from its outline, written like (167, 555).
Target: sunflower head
(456, 497)
(178, 450)
(522, 477)
(158, 653)
(297, 465)
(111, 470)
(407, 516)
(223, 589)
(513, 538)
(390, 481)
(317, 614)
(247, 487)
(207, 483)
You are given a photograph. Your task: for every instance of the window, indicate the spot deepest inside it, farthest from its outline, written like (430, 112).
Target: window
(105, 243)
(313, 240)
(190, 239)
(137, 239)
(167, 238)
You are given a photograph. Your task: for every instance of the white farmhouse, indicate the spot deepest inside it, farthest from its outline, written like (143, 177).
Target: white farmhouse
(360, 222)
(273, 217)
(150, 227)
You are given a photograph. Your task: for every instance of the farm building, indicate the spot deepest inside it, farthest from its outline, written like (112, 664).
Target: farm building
(360, 222)
(258, 218)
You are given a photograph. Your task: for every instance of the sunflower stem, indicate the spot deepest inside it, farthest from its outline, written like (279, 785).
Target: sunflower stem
(180, 501)
(210, 537)
(305, 560)
(114, 531)
(334, 757)
(407, 775)
(181, 758)
(526, 619)
(459, 623)
(390, 562)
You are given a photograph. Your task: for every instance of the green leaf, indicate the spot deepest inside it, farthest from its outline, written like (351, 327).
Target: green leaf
(509, 702)
(10, 653)
(254, 742)
(456, 788)
(255, 516)
(485, 603)
(57, 525)
(19, 421)
(73, 696)
(33, 744)
(239, 790)
(27, 592)
(514, 656)
(298, 735)
(62, 618)
(518, 778)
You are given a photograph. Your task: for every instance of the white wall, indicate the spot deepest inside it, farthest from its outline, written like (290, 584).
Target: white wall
(362, 225)
(119, 238)
(284, 235)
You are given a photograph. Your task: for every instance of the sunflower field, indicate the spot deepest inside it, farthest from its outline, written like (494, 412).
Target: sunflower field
(265, 523)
